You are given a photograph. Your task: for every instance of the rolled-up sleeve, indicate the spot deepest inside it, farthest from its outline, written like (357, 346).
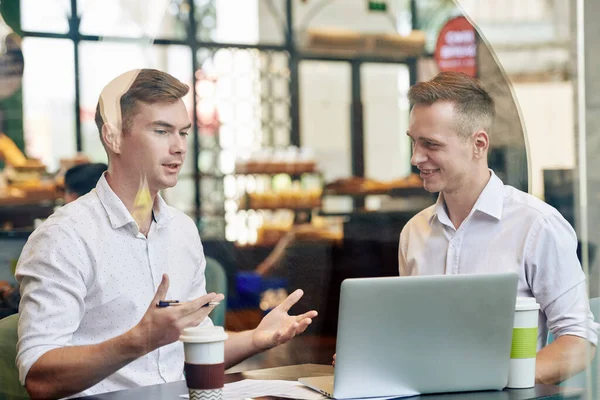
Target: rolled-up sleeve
(51, 276)
(557, 280)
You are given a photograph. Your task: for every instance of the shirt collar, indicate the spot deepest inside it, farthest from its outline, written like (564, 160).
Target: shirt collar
(160, 211)
(119, 215)
(490, 202)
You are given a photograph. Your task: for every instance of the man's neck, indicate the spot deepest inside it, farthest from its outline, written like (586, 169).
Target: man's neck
(136, 197)
(460, 202)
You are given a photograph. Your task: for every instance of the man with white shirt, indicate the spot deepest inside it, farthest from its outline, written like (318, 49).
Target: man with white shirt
(91, 275)
(480, 225)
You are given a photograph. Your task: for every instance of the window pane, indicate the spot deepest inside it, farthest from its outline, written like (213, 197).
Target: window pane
(152, 18)
(234, 21)
(349, 15)
(49, 100)
(271, 22)
(45, 16)
(103, 61)
(385, 107)
(325, 115)
(325, 100)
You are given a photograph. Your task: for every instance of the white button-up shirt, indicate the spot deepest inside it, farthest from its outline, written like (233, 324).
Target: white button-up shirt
(87, 275)
(507, 231)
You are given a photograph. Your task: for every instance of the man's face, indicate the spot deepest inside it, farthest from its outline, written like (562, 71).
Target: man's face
(443, 157)
(156, 143)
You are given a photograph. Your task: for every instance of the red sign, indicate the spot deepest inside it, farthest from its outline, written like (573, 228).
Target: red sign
(456, 48)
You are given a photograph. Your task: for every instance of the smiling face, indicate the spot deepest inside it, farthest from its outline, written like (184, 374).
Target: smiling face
(446, 160)
(155, 145)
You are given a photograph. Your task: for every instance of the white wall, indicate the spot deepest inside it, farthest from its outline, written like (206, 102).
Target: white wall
(547, 110)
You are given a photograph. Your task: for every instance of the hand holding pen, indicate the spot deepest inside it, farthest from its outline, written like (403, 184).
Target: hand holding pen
(164, 322)
(167, 303)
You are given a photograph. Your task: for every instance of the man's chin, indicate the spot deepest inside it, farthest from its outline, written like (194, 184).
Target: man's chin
(431, 187)
(167, 184)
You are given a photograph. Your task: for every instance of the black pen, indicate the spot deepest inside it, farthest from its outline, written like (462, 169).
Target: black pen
(167, 303)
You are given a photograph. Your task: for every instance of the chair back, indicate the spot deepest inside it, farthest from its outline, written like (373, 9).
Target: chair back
(216, 281)
(10, 386)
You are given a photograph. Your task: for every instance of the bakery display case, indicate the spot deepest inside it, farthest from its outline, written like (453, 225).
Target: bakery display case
(278, 193)
(359, 186)
(27, 191)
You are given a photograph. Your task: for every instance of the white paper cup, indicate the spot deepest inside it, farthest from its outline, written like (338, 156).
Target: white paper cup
(521, 373)
(204, 349)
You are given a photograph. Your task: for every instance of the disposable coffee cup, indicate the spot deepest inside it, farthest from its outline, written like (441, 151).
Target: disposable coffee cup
(521, 373)
(204, 348)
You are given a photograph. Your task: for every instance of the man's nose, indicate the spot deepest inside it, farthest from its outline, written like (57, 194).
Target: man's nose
(418, 156)
(179, 145)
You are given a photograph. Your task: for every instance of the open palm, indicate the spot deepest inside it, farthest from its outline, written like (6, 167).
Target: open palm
(278, 326)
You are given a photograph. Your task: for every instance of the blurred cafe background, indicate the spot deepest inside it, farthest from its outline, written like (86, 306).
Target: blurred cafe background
(298, 173)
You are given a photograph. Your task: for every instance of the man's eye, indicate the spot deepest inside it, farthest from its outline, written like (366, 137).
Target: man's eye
(161, 131)
(184, 133)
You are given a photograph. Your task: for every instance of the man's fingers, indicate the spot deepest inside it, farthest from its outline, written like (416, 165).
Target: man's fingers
(162, 289)
(194, 311)
(291, 300)
(310, 314)
(276, 338)
(195, 305)
(302, 325)
(195, 318)
(289, 333)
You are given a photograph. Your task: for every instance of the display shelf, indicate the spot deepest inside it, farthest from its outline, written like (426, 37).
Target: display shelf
(392, 192)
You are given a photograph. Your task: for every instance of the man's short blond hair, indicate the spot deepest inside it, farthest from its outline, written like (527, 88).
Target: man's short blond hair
(120, 99)
(473, 105)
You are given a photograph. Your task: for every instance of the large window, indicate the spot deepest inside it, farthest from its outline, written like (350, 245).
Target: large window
(49, 99)
(255, 90)
(101, 61)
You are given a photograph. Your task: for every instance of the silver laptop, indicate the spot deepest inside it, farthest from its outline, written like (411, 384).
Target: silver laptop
(404, 336)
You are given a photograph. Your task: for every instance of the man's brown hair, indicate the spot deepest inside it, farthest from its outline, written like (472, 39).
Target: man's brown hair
(473, 105)
(150, 86)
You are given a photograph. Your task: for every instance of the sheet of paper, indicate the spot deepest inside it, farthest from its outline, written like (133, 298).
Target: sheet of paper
(249, 388)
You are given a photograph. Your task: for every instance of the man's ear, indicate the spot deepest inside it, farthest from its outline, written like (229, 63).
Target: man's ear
(112, 137)
(481, 144)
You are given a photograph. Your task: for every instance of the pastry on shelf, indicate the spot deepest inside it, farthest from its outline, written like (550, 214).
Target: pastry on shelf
(411, 181)
(10, 153)
(31, 192)
(18, 167)
(22, 177)
(354, 186)
(365, 186)
(291, 160)
(293, 199)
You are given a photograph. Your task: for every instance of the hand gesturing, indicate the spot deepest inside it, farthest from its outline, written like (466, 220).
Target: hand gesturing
(278, 326)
